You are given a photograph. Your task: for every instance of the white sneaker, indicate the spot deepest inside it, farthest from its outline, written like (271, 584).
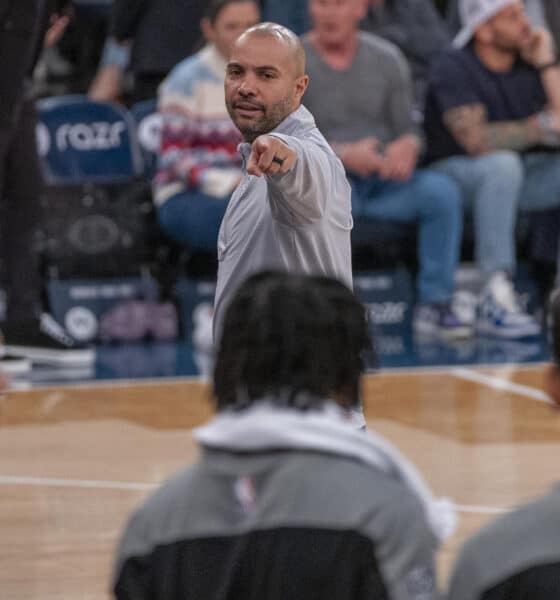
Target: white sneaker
(499, 312)
(202, 336)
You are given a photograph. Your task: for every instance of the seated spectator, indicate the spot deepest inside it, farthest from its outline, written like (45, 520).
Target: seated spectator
(199, 166)
(288, 500)
(541, 13)
(416, 27)
(360, 94)
(518, 556)
(293, 14)
(492, 120)
(147, 39)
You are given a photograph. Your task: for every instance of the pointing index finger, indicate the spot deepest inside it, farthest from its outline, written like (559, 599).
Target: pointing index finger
(253, 163)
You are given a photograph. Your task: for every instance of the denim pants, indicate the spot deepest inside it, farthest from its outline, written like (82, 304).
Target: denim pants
(193, 219)
(494, 188)
(432, 201)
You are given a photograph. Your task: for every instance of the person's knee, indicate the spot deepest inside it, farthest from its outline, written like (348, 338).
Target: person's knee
(502, 166)
(164, 218)
(439, 193)
(188, 221)
(168, 221)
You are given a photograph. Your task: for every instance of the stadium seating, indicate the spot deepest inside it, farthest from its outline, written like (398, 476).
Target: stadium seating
(98, 214)
(98, 160)
(81, 140)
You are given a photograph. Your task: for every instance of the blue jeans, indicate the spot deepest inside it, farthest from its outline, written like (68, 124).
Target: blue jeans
(432, 201)
(494, 187)
(193, 219)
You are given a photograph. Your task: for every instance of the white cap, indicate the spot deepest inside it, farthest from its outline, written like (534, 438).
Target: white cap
(474, 13)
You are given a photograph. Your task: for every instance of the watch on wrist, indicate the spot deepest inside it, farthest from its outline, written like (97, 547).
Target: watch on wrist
(115, 54)
(549, 135)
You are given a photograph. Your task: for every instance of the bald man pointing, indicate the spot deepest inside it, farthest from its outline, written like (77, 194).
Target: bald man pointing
(291, 210)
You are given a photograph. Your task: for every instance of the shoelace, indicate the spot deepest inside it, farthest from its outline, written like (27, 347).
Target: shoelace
(53, 329)
(503, 292)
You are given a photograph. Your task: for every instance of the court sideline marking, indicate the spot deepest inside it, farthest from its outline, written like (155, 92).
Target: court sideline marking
(76, 483)
(460, 373)
(23, 387)
(12, 480)
(502, 385)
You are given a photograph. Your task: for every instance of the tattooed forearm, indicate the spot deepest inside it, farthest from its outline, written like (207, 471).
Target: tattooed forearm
(465, 123)
(513, 135)
(469, 126)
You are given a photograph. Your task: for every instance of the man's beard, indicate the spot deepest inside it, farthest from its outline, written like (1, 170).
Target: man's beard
(271, 118)
(507, 46)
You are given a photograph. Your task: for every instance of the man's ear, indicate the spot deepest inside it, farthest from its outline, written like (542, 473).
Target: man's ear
(484, 34)
(552, 382)
(301, 85)
(362, 8)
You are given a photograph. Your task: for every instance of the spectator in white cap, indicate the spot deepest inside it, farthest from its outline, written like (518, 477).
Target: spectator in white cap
(544, 13)
(492, 122)
(474, 13)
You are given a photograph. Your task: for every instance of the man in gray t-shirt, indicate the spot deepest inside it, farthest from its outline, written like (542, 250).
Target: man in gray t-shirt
(291, 211)
(360, 92)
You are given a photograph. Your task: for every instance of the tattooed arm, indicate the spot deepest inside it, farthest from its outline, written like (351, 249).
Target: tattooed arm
(469, 123)
(470, 127)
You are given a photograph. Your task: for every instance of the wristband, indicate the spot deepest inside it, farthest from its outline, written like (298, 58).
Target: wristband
(115, 54)
(549, 135)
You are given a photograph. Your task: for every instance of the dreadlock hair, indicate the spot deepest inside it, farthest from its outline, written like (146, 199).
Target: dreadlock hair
(554, 329)
(215, 7)
(294, 339)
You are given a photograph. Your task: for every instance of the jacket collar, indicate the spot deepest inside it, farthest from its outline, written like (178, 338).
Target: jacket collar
(266, 426)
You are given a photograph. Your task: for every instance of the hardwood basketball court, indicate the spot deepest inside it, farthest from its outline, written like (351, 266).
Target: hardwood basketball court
(75, 461)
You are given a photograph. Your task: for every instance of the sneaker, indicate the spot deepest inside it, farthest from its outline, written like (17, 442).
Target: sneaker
(440, 320)
(14, 365)
(499, 312)
(202, 336)
(45, 341)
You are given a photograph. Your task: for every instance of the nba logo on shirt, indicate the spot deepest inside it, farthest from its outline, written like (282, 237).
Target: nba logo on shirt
(244, 490)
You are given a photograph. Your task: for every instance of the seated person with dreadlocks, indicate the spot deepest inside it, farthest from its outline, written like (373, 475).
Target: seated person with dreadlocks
(288, 499)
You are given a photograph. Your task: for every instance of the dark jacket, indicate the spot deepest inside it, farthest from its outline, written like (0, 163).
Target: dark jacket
(415, 26)
(164, 31)
(293, 14)
(282, 505)
(20, 33)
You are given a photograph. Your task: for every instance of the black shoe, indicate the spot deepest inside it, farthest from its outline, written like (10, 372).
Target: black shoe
(45, 341)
